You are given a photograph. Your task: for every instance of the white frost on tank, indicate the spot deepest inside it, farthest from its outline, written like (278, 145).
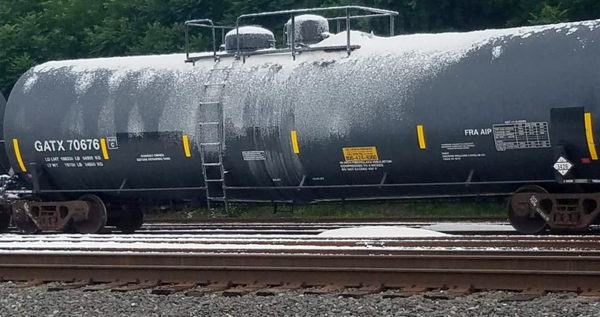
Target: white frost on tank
(106, 118)
(179, 111)
(455, 44)
(74, 123)
(324, 92)
(129, 63)
(249, 29)
(316, 26)
(572, 30)
(30, 81)
(119, 67)
(84, 82)
(145, 78)
(308, 17)
(135, 124)
(497, 51)
(115, 79)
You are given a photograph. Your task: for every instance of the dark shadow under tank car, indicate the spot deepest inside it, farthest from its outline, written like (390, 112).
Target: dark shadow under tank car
(351, 116)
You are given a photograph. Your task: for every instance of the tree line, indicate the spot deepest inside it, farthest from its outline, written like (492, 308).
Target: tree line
(36, 31)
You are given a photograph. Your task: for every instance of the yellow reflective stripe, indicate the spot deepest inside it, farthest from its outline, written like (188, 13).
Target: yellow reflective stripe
(18, 155)
(589, 134)
(294, 136)
(186, 146)
(421, 136)
(104, 148)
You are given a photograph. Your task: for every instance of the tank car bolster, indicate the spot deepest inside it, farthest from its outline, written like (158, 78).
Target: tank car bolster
(54, 216)
(87, 214)
(559, 211)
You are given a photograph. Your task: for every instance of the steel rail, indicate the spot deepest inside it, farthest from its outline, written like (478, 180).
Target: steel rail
(480, 272)
(365, 252)
(552, 241)
(550, 244)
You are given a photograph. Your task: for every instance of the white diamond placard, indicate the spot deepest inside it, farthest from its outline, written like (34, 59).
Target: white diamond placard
(563, 166)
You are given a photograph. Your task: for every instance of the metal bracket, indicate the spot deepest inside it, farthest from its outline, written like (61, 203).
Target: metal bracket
(535, 204)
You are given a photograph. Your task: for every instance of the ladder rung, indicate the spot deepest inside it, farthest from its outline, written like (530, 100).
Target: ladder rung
(209, 123)
(211, 143)
(209, 102)
(215, 84)
(212, 69)
(213, 164)
(215, 180)
(214, 197)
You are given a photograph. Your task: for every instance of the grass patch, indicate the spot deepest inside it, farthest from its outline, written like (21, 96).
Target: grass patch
(459, 209)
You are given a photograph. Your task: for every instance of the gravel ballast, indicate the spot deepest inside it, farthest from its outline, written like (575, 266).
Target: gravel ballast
(37, 301)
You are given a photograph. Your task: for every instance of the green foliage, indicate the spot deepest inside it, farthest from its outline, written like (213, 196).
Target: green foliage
(455, 209)
(111, 37)
(158, 38)
(35, 31)
(549, 14)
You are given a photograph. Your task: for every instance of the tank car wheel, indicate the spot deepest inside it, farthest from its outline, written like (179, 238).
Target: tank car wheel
(23, 222)
(520, 214)
(20, 217)
(131, 219)
(5, 215)
(96, 217)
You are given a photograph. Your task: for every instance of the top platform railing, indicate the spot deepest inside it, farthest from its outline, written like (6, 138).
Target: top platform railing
(365, 13)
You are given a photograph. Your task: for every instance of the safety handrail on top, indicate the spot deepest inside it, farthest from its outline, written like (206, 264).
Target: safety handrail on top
(204, 23)
(373, 12)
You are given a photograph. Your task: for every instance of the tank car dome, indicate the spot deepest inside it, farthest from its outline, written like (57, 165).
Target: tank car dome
(308, 29)
(251, 38)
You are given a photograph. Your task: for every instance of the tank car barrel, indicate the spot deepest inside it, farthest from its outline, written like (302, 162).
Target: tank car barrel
(426, 115)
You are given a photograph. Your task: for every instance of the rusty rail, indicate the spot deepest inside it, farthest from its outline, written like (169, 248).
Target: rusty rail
(562, 270)
(572, 243)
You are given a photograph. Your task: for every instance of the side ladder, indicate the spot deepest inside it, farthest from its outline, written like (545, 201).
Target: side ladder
(213, 136)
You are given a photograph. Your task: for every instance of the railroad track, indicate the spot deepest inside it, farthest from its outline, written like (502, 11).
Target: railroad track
(310, 228)
(294, 228)
(403, 267)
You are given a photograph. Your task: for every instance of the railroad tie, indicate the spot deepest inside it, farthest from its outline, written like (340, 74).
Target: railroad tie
(209, 288)
(29, 283)
(407, 292)
(105, 286)
(327, 289)
(362, 291)
(136, 286)
(243, 290)
(589, 293)
(173, 288)
(460, 290)
(438, 295)
(271, 291)
(70, 285)
(525, 295)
